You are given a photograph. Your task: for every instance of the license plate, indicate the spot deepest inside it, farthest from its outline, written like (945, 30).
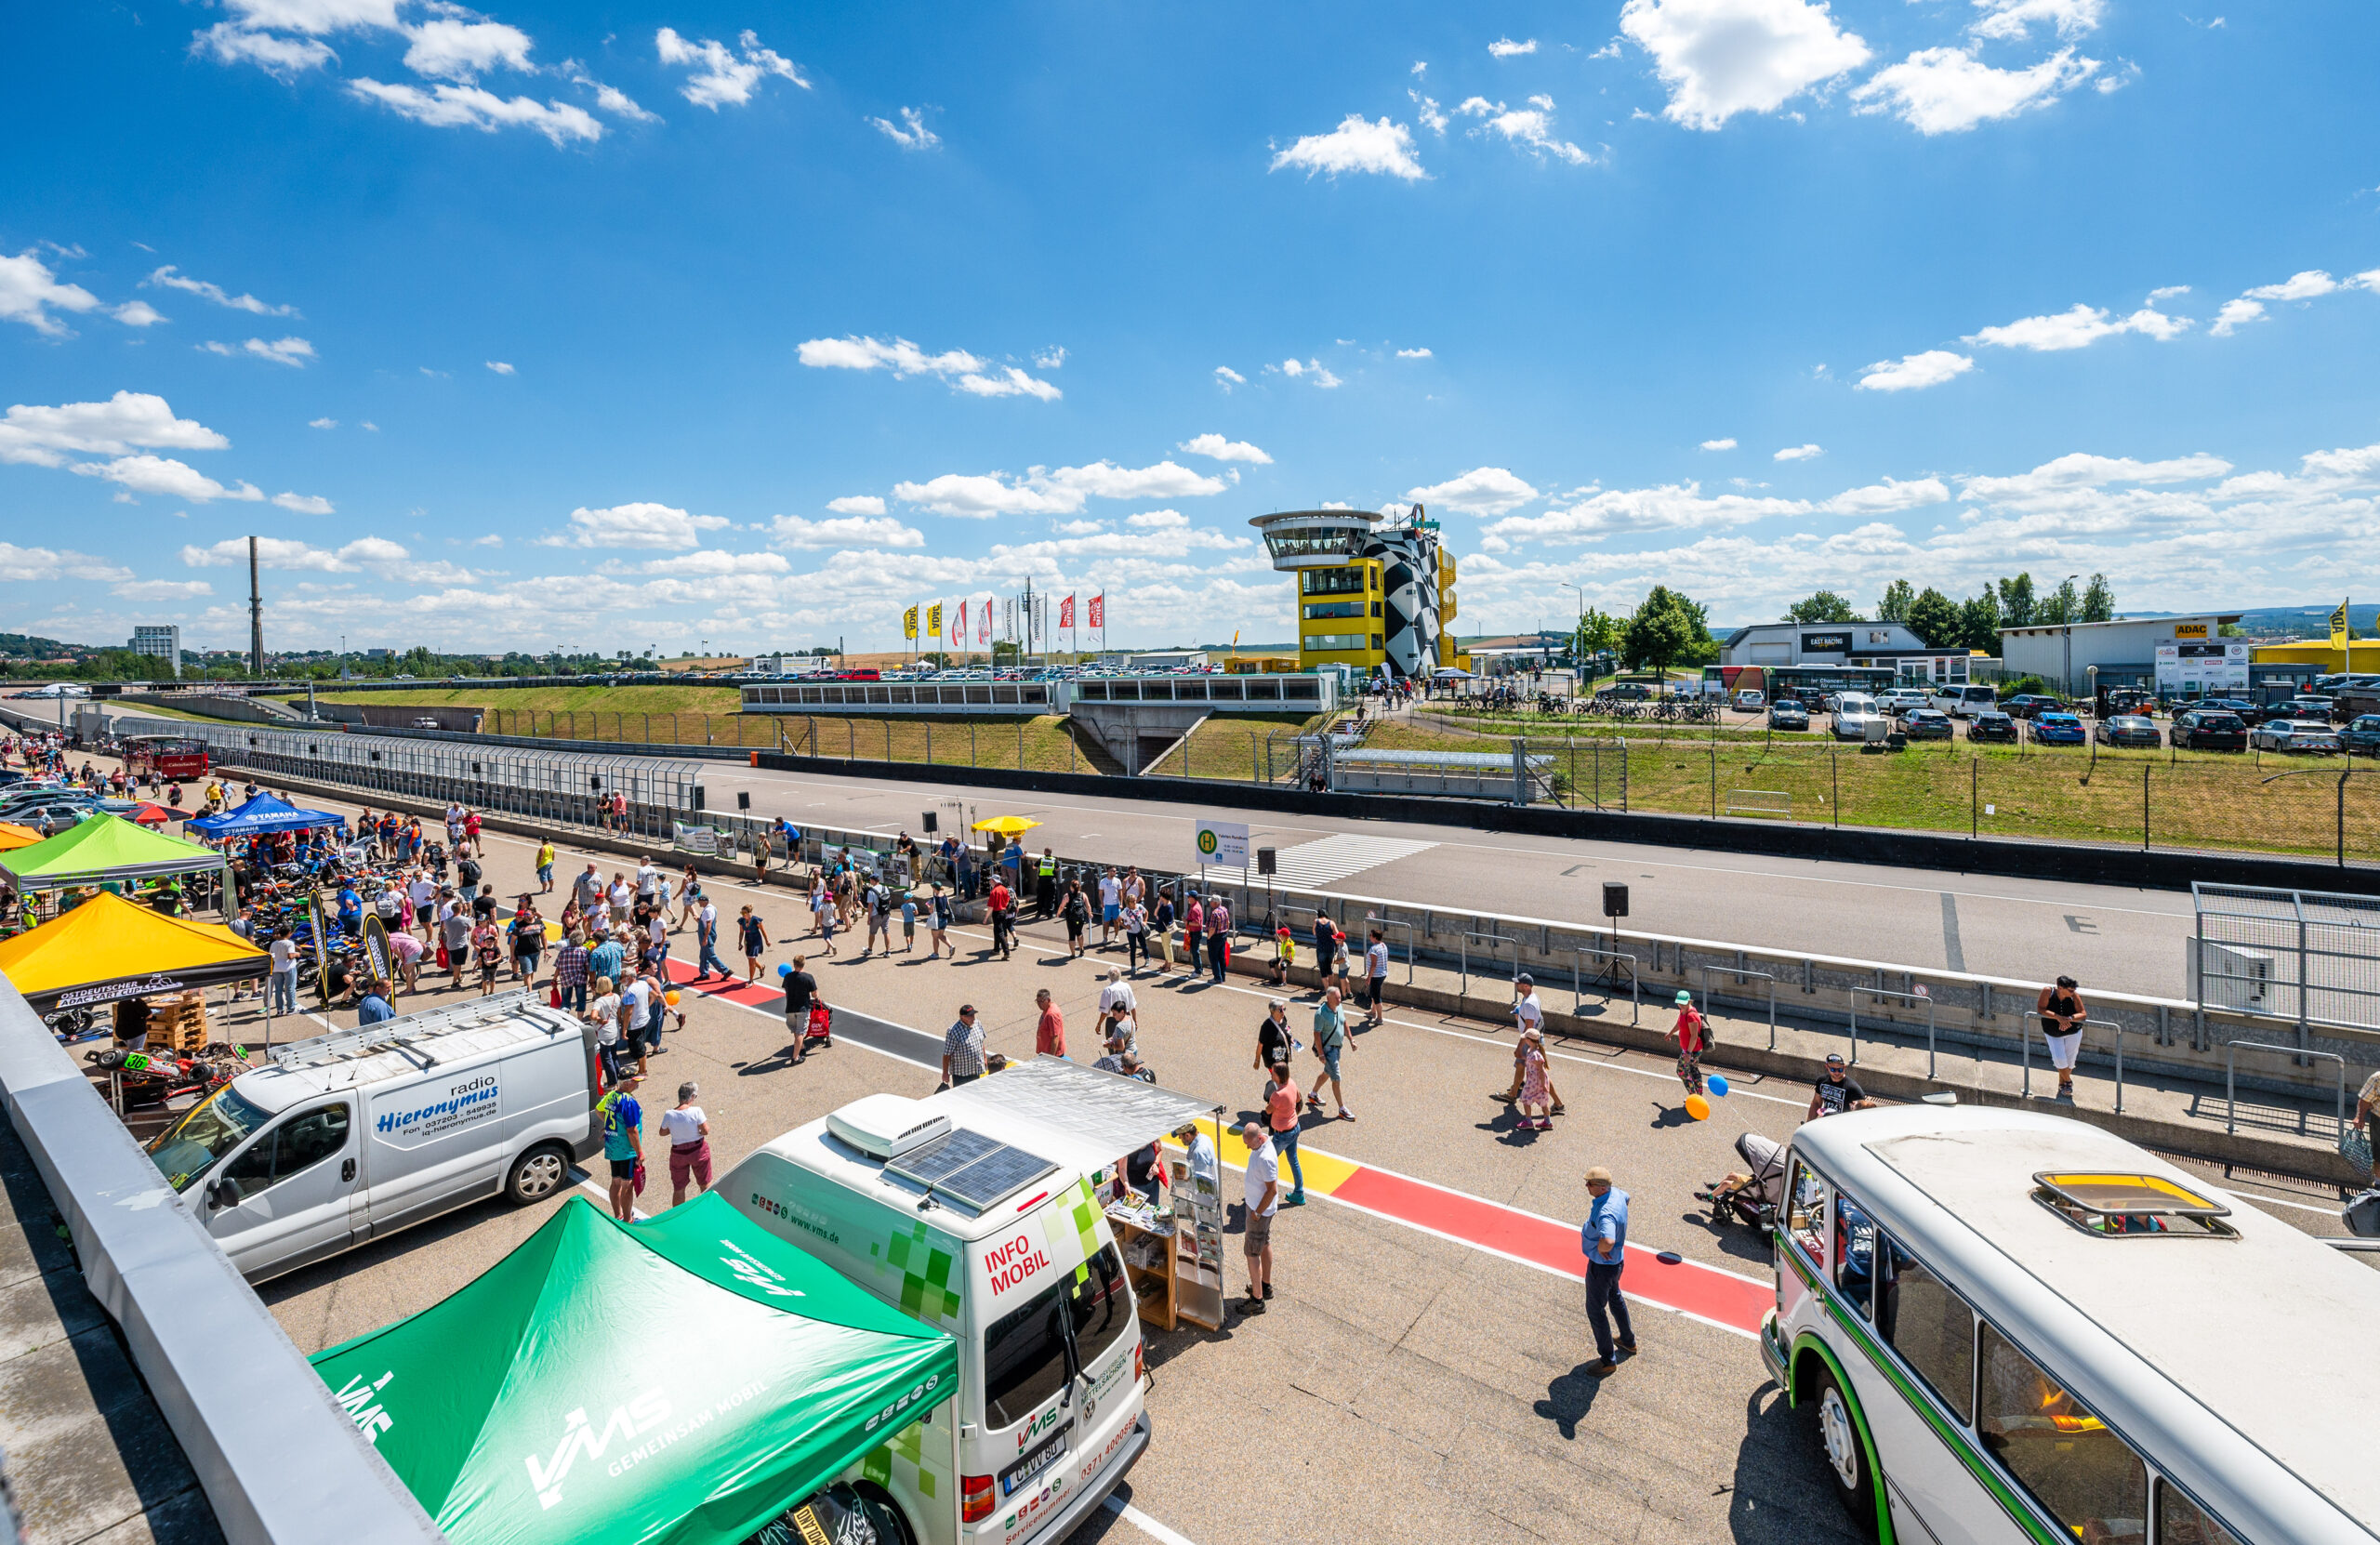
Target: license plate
(1023, 1471)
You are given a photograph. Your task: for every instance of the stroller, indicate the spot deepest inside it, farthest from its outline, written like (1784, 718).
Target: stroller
(1751, 1194)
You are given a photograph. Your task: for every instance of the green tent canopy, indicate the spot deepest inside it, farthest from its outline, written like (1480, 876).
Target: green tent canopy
(683, 1379)
(102, 848)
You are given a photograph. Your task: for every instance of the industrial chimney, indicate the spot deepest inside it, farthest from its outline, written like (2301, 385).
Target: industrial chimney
(256, 616)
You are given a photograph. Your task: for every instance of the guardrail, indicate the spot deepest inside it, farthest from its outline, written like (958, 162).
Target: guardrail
(2230, 1078)
(281, 1463)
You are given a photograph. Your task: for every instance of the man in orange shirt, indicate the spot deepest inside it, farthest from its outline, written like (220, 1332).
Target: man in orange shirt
(1281, 1105)
(1050, 1035)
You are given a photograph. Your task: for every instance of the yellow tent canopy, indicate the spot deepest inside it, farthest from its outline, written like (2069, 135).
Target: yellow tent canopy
(13, 835)
(1007, 825)
(108, 949)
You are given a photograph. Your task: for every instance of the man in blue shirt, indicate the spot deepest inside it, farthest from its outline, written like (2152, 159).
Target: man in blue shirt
(605, 960)
(351, 912)
(375, 1007)
(1603, 1239)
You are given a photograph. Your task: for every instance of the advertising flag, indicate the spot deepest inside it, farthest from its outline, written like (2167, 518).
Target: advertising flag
(958, 627)
(909, 623)
(984, 621)
(2338, 624)
(1066, 612)
(933, 621)
(1098, 619)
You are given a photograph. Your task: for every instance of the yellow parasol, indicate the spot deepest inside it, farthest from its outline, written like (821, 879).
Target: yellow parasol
(1007, 826)
(14, 836)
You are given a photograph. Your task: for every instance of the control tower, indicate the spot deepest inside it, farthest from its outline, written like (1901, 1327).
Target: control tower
(1373, 592)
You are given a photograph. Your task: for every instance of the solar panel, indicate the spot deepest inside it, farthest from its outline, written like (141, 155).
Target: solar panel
(971, 1169)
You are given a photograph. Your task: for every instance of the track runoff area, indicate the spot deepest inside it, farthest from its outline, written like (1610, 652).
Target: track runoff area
(1421, 1371)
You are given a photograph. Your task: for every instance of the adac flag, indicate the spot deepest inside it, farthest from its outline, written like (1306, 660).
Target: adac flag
(2339, 624)
(933, 621)
(909, 623)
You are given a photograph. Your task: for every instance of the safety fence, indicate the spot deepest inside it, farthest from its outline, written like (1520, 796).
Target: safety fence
(2309, 958)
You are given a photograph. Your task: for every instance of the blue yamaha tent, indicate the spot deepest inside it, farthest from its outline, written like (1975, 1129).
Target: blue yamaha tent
(263, 814)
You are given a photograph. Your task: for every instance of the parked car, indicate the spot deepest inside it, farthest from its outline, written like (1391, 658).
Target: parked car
(2249, 714)
(1927, 724)
(2057, 729)
(2134, 730)
(1853, 711)
(2025, 704)
(2319, 709)
(2362, 736)
(1991, 724)
(1960, 699)
(1751, 700)
(2301, 736)
(1787, 715)
(1634, 691)
(2205, 729)
(1898, 700)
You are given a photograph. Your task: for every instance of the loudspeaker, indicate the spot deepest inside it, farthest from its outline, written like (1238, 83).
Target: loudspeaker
(743, 799)
(1615, 899)
(932, 823)
(1264, 861)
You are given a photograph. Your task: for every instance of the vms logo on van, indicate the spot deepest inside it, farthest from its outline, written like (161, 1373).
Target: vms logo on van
(1014, 1262)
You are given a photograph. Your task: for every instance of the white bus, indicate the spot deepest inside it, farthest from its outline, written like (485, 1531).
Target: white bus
(2018, 1328)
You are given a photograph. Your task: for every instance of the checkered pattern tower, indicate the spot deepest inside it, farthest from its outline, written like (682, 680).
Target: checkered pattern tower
(1373, 594)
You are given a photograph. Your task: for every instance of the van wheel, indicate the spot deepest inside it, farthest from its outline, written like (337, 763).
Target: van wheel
(1841, 1441)
(883, 1515)
(537, 1175)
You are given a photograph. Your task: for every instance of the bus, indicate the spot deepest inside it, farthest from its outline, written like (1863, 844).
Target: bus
(2018, 1328)
(175, 759)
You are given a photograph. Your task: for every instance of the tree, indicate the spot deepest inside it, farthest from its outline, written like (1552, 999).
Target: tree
(1979, 621)
(2060, 606)
(1933, 618)
(1665, 629)
(1598, 634)
(2016, 604)
(1894, 606)
(2098, 600)
(1825, 606)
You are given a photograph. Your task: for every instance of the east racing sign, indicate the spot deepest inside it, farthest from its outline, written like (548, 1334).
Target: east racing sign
(422, 1114)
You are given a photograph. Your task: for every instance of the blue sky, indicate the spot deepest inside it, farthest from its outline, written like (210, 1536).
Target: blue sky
(614, 327)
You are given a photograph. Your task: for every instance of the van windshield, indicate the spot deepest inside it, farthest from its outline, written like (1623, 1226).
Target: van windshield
(1025, 1351)
(207, 1130)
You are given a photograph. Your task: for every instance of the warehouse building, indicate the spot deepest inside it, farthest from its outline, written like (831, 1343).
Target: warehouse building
(2183, 657)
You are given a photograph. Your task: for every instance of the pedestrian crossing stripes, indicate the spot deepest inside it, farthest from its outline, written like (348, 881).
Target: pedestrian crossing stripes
(1334, 858)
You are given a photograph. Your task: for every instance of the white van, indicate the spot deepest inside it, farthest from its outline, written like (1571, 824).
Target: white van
(1966, 699)
(1857, 717)
(965, 1227)
(354, 1135)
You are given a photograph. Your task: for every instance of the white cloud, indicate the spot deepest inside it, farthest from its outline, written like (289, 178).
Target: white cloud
(1481, 491)
(1798, 453)
(641, 524)
(289, 352)
(1726, 445)
(315, 17)
(322, 423)
(1355, 146)
(42, 435)
(447, 106)
(1296, 369)
(725, 77)
(2079, 328)
(499, 367)
(1505, 48)
(1887, 497)
(966, 372)
(857, 504)
(168, 278)
(712, 562)
(21, 564)
(1949, 91)
(305, 504)
(281, 58)
(2080, 471)
(166, 477)
(1427, 109)
(28, 288)
(910, 133)
(1226, 377)
(1064, 492)
(2167, 292)
(491, 539)
(1531, 127)
(1720, 58)
(2010, 18)
(137, 314)
(1050, 358)
(1622, 511)
(448, 47)
(163, 589)
(1216, 447)
(1413, 354)
(2298, 287)
(1913, 371)
(2234, 315)
(376, 553)
(619, 104)
(1158, 520)
(872, 530)
(1167, 480)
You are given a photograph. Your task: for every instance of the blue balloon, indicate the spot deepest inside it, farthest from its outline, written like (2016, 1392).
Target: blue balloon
(785, 970)
(1717, 1085)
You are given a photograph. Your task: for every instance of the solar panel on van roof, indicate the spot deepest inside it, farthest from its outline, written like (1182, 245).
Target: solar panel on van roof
(971, 1169)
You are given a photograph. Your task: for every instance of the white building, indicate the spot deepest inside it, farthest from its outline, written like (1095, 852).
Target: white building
(1888, 645)
(159, 642)
(2185, 657)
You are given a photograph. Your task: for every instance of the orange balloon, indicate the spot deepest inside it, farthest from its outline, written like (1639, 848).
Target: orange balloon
(1697, 1107)
(671, 999)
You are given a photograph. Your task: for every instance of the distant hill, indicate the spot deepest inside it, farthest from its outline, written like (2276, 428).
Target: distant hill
(37, 646)
(2313, 622)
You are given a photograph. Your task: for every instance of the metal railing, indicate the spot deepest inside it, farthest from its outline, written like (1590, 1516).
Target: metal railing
(1740, 973)
(1464, 955)
(1915, 997)
(1373, 920)
(2230, 1078)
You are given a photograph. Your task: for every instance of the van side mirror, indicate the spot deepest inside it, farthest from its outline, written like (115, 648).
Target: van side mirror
(222, 1193)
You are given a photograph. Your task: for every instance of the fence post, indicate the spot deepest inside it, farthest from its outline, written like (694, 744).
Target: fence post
(2144, 814)
(970, 745)
(2342, 820)
(929, 742)
(850, 740)
(1252, 758)
(888, 739)
(1714, 782)
(1974, 795)
(1834, 782)
(1020, 746)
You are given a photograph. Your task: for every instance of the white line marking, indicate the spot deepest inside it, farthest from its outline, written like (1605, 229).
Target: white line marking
(602, 1191)
(2283, 1201)
(1142, 1522)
